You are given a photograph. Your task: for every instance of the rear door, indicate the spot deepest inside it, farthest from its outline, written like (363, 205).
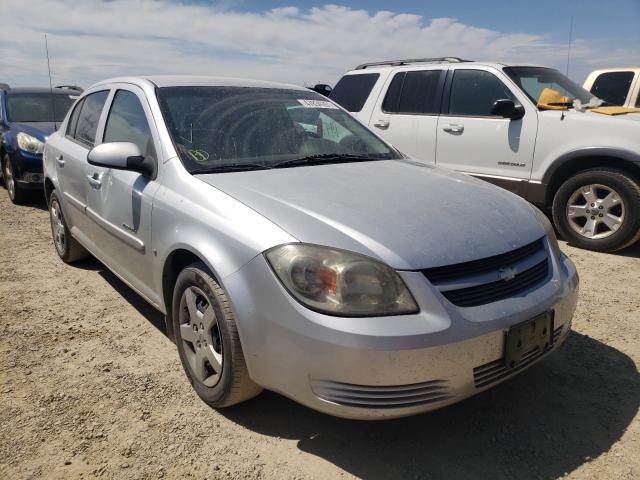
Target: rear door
(473, 140)
(70, 159)
(119, 202)
(407, 114)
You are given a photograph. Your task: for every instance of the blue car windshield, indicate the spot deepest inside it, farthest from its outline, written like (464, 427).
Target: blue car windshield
(224, 128)
(38, 107)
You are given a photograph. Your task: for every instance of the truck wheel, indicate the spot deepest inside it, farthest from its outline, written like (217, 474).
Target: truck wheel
(208, 341)
(17, 195)
(599, 210)
(68, 248)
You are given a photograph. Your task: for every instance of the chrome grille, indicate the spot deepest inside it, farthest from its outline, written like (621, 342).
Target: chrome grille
(479, 282)
(496, 370)
(386, 396)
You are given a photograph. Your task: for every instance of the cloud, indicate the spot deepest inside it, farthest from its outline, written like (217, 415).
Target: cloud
(91, 40)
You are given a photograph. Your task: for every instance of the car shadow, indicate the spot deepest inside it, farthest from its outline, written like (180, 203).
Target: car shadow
(556, 416)
(36, 199)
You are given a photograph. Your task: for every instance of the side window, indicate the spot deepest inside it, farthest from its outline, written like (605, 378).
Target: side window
(127, 122)
(352, 91)
(413, 93)
(89, 116)
(473, 93)
(73, 119)
(613, 87)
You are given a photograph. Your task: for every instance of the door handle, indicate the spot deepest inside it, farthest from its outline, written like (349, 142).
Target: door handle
(94, 180)
(60, 160)
(382, 124)
(455, 129)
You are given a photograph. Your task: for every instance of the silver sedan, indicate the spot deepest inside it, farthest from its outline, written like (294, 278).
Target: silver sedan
(292, 249)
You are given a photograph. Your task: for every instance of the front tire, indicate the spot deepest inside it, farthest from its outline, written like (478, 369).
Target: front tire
(67, 247)
(17, 194)
(208, 341)
(599, 210)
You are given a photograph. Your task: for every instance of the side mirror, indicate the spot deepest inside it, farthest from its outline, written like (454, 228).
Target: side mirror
(507, 108)
(123, 156)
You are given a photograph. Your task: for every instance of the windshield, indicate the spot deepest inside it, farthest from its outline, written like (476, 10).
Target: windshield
(225, 128)
(533, 80)
(38, 107)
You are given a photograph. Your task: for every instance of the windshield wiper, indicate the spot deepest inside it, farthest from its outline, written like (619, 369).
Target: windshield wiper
(325, 158)
(230, 167)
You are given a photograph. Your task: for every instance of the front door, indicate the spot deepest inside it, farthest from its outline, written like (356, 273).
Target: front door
(120, 201)
(407, 116)
(473, 140)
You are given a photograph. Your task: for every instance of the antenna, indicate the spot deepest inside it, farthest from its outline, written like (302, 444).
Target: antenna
(569, 46)
(53, 103)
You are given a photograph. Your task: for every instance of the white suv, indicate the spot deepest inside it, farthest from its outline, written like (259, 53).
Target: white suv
(528, 129)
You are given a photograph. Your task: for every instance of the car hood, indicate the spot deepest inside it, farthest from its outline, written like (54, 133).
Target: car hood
(405, 213)
(611, 119)
(40, 130)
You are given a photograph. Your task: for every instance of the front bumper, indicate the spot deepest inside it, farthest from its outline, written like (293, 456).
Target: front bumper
(27, 169)
(385, 367)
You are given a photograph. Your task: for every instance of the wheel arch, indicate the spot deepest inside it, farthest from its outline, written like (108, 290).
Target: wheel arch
(48, 188)
(580, 160)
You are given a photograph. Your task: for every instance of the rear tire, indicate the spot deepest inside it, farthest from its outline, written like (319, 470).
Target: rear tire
(599, 210)
(17, 194)
(208, 341)
(67, 247)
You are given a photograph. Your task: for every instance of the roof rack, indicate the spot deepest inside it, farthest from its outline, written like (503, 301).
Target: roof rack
(408, 61)
(71, 87)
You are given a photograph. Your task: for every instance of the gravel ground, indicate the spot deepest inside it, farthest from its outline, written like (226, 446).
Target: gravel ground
(91, 387)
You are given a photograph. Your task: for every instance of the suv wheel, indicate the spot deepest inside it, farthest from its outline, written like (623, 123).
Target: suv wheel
(208, 341)
(68, 248)
(17, 195)
(599, 210)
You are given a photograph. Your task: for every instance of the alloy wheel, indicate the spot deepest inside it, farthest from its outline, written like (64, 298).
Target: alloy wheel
(9, 181)
(57, 227)
(200, 336)
(595, 211)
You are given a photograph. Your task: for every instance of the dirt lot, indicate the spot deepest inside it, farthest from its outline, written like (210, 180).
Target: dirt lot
(91, 387)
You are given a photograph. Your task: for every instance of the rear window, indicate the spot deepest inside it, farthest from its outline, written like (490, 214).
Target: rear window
(613, 87)
(413, 93)
(352, 91)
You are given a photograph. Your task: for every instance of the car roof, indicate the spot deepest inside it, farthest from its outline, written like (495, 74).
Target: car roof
(196, 81)
(39, 90)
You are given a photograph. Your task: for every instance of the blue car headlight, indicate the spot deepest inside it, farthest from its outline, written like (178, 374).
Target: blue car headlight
(29, 143)
(340, 283)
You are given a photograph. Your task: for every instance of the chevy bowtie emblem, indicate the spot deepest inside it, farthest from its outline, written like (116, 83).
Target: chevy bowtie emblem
(507, 274)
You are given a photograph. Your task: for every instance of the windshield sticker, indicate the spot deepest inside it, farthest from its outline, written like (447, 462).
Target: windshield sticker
(198, 155)
(317, 104)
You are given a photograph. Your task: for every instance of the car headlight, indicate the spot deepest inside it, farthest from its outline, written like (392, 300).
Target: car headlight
(548, 228)
(340, 283)
(29, 144)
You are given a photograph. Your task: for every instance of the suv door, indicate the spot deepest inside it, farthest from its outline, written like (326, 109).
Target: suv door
(119, 202)
(70, 157)
(473, 140)
(407, 115)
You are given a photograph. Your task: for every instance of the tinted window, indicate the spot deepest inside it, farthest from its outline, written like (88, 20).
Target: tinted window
(127, 122)
(613, 87)
(89, 117)
(73, 119)
(37, 107)
(533, 80)
(413, 92)
(473, 93)
(352, 91)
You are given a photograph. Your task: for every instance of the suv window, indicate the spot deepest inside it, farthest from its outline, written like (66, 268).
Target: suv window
(352, 91)
(413, 92)
(73, 119)
(613, 87)
(473, 93)
(89, 117)
(127, 122)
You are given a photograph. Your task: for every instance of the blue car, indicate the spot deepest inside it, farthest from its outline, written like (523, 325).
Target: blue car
(27, 117)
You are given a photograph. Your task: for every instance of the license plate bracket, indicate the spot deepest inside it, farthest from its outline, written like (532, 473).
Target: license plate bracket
(524, 338)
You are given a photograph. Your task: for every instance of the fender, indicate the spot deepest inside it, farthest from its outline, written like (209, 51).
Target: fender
(538, 192)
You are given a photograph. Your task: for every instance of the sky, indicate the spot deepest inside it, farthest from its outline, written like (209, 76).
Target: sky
(302, 42)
